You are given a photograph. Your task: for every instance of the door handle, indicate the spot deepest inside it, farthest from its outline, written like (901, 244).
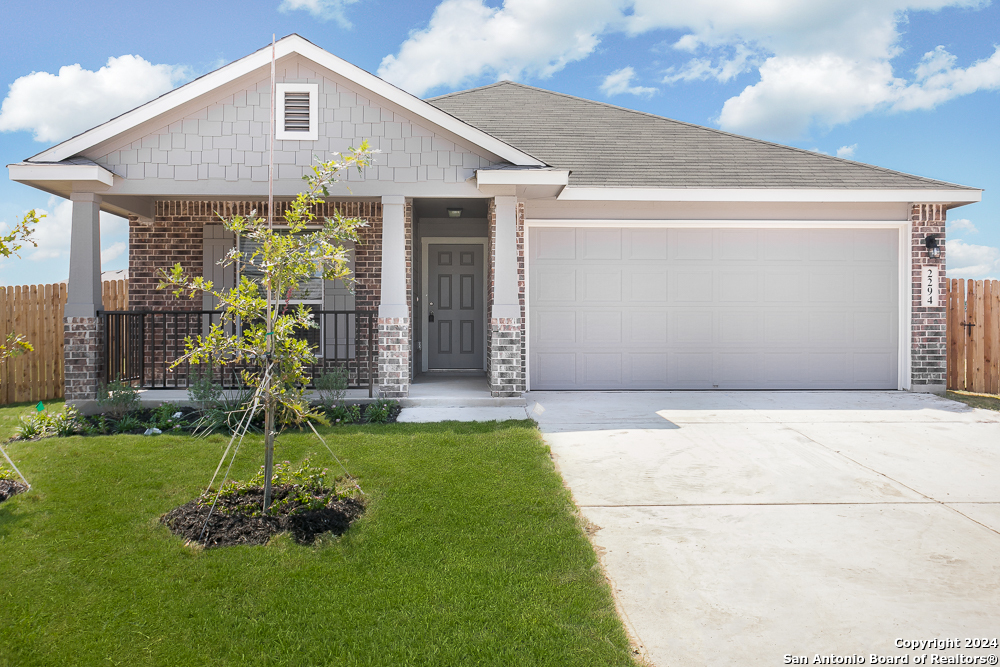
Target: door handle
(430, 316)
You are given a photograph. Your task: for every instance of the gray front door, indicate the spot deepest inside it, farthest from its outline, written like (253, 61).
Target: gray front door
(455, 328)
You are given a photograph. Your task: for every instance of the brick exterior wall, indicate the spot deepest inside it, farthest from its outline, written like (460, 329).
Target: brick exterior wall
(176, 235)
(394, 357)
(505, 341)
(82, 354)
(928, 347)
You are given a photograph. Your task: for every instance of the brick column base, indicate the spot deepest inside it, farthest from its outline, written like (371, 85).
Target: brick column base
(394, 357)
(929, 344)
(506, 364)
(83, 355)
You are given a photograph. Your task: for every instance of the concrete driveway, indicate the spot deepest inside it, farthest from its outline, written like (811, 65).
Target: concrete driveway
(739, 528)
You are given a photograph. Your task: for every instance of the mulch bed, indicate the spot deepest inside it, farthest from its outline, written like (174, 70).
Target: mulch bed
(230, 525)
(10, 487)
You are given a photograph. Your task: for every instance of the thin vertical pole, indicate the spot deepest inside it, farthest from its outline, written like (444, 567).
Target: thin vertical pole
(269, 405)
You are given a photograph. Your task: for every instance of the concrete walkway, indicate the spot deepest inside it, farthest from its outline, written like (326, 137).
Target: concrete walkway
(741, 527)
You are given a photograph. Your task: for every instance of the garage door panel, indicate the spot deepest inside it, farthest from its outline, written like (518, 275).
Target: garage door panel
(599, 244)
(601, 369)
(738, 327)
(689, 244)
(554, 286)
(556, 243)
(647, 327)
(602, 285)
(690, 286)
(649, 286)
(738, 245)
(713, 308)
(645, 244)
(555, 327)
(690, 370)
(600, 327)
(690, 326)
(738, 286)
(646, 371)
(784, 245)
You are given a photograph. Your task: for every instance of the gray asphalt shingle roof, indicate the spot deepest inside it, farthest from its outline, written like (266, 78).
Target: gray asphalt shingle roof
(609, 146)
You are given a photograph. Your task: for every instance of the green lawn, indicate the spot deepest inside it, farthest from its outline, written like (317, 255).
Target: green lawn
(469, 554)
(984, 401)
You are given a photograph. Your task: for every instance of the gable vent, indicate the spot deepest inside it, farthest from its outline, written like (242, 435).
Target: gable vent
(296, 112)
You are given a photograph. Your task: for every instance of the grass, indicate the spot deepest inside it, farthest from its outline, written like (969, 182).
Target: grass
(470, 553)
(984, 401)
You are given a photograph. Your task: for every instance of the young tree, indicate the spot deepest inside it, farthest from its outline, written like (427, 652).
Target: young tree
(16, 344)
(267, 323)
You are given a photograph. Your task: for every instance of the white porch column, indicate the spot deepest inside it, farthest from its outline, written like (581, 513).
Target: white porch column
(393, 312)
(83, 350)
(84, 288)
(506, 371)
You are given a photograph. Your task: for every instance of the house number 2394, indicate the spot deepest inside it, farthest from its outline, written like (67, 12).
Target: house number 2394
(929, 287)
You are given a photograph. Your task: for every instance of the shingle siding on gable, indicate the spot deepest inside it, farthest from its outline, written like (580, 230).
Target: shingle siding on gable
(228, 141)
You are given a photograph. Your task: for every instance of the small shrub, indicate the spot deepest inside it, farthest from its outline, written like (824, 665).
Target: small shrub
(344, 414)
(380, 410)
(7, 474)
(163, 417)
(68, 422)
(129, 424)
(33, 426)
(332, 387)
(118, 398)
(228, 412)
(296, 489)
(204, 392)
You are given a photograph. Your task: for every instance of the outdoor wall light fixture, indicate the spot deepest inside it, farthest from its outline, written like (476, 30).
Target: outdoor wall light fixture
(933, 249)
(454, 213)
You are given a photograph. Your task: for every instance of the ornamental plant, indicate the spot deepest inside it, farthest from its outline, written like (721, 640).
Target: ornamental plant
(266, 342)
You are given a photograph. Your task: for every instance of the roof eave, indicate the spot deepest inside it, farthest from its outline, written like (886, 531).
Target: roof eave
(948, 197)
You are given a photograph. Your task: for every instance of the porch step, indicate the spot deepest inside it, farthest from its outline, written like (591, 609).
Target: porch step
(462, 402)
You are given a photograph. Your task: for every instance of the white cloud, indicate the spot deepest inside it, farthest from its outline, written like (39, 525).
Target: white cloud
(113, 251)
(321, 9)
(702, 69)
(962, 224)
(52, 234)
(466, 39)
(57, 106)
(821, 63)
(847, 152)
(619, 82)
(966, 260)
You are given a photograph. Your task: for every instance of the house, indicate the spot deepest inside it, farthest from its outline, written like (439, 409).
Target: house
(547, 241)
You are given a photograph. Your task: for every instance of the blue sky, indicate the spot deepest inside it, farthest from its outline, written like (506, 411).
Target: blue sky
(912, 85)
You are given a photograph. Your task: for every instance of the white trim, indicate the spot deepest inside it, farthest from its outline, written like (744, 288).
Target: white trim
(904, 263)
(716, 224)
(312, 89)
(286, 46)
(425, 242)
(955, 196)
(906, 305)
(522, 177)
(61, 172)
(525, 325)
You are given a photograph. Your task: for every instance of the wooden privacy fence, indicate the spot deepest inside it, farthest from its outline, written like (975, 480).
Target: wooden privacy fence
(974, 336)
(36, 312)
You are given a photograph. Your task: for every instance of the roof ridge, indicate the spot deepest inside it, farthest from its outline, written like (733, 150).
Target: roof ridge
(714, 130)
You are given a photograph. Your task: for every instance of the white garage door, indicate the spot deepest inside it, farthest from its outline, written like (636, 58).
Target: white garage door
(713, 308)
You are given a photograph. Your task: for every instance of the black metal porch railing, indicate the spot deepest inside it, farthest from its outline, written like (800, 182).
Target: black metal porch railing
(140, 346)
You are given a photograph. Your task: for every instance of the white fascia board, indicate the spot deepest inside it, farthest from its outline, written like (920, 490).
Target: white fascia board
(262, 58)
(771, 195)
(522, 177)
(717, 224)
(38, 173)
